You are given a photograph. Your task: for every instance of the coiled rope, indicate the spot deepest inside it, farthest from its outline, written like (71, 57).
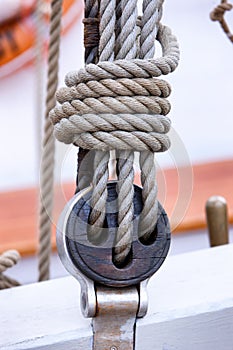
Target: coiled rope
(7, 260)
(218, 15)
(118, 103)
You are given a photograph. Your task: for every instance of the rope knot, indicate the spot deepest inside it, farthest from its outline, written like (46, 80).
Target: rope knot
(120, 104)
(218, 13)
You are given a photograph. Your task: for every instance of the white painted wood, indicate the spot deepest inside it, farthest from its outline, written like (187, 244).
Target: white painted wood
(190, 308)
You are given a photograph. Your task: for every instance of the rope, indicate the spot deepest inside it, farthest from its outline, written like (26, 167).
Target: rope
(218, 15)
(126, 48)
(39, 74)
(101, 173)
(47, 163)
(7, 260)
(121, 105)
(152, 14)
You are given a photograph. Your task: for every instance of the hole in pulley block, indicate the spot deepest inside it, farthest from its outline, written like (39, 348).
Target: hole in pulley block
(102, 234)
(151, 239)
(126, 262)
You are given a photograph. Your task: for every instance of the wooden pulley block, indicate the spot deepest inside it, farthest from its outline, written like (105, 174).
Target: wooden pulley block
(95, 259)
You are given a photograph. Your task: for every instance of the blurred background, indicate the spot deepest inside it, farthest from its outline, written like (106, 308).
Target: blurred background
(199, 163)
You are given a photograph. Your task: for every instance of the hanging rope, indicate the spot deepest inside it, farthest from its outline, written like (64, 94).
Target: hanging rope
(39, 42)
(152, 14)
(101, 174)
(126, 48)
(118, 103)
(47, 163)
(7, 260)
(218, 15)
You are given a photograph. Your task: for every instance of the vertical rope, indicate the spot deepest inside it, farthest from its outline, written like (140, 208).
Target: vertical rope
(101, 172)
(39, 74)
(126, 48)
(152, 13)
(91, 40)
(48, 148)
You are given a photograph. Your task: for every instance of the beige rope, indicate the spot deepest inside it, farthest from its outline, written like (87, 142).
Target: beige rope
(7, 260)
(218, 15)
(47, 163)
(126, 48)
(65, 116)
(101, 173)
(152, 14)
(39, 42)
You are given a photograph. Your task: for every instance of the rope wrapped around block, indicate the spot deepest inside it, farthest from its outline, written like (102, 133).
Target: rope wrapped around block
(119, 104)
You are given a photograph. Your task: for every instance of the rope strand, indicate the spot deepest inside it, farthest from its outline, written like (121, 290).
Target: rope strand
(152, 13)
(126, 48)
(48, 148)
(101, 172)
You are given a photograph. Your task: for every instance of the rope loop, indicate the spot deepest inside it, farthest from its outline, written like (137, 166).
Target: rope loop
(118, 104)
(218, 13)
(134, 68)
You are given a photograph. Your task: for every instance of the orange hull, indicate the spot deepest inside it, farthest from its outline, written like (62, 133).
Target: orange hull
(17, 38)
(13, 10)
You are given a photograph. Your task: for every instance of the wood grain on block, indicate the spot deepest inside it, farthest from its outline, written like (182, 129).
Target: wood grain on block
(185, 205)
(190, 307)
(144, 258)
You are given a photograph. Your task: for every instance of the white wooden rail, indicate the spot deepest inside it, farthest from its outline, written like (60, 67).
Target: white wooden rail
(190, 308)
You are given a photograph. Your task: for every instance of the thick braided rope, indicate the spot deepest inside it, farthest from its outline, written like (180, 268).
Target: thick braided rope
(7, 260)
(126, 48)
(152, 14)
(101, 173)
(218, 15)
(39, 47)
(47, 163)
(65, 116)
